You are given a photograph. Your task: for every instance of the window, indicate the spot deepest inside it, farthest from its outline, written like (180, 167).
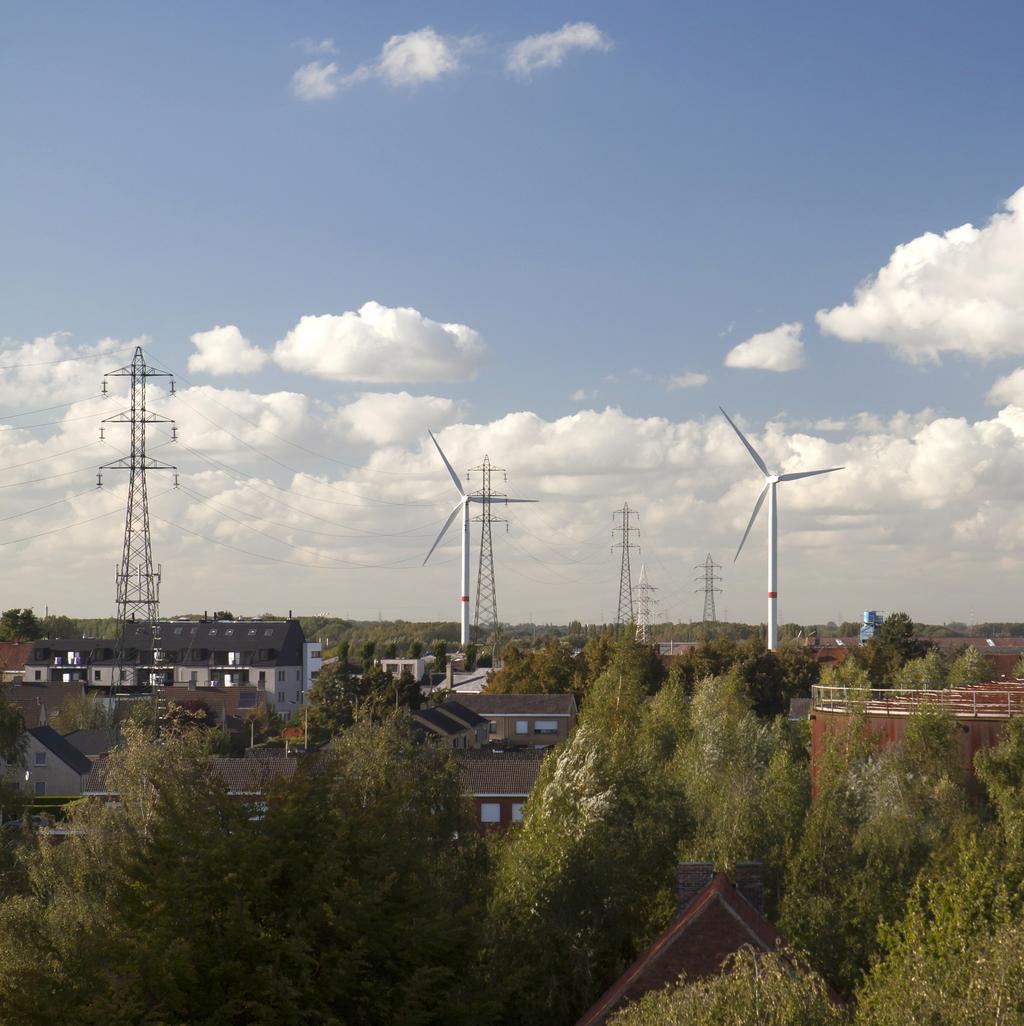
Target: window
(490, 812)
(545, 727)
(213, 632)
(492, 727)
(95, 674)
(522, 726)
(40, 758)
(229, 631)
(269, 632)
(247, 700)
(193, 676)
(252, 631)
(280, 676)
(316, 654)
(40, 787)
(177, 630)
(517, 812)
(263, 676)
(39, 675)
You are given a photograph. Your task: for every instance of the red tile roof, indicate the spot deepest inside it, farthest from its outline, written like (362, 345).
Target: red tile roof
(718, 922)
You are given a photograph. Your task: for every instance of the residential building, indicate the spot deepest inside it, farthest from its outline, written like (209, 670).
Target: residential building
(499, 783)
(38, 703)
(714, 919)
(270, 655)
(448, 729)
(52, 765)
(94, 743)
(13, 655)
(535, 721)
(417, 667)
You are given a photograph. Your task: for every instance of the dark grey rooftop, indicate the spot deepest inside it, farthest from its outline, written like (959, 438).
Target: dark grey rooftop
(64, 751)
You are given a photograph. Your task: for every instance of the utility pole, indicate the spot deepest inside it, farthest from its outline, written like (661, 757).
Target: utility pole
(625, 531)
(485, 619)
(138, 584)
(646, 602)
(707, 578)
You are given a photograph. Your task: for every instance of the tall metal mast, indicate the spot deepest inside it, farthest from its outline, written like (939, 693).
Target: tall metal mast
(485, 619)
(625, 612)
(707, 578)
(646, 602)
(138, 584)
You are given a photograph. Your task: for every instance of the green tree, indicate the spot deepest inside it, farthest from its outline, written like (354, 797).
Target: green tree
(930, 671)
(366, 654)
(440, 648)
(415, 649)
(19, 625)
(1018, 668)
(470, 654)
(548, 670)
(54, 626)
(970, 667)
(753, 990)
(332, 701)
(390, 650)
(84, 712)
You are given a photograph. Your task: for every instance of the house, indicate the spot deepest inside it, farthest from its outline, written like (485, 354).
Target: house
(270, 655)
(450, 730)
(396, 667)
(715, 918)
(94, 743)
(39, 703)
(52, 765)
(13, 655)
(536, 721)
(498, 782)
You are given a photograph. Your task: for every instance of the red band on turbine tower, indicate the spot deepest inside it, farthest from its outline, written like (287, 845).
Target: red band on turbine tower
(773, 594)
(465, 598)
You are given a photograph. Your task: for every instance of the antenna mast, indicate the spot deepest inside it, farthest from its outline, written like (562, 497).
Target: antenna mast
(708, 579)
(138, 584)
(485, 619)
(625, 612)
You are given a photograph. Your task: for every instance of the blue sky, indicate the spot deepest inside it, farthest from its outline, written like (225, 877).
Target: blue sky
(631, 214)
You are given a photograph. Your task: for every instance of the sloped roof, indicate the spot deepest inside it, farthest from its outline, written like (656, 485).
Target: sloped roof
(718, 922)
(458, 712)
(14, 654)
(530, 705)
(67, 753)
(32, 699)
(483, 771)
(437, 721)
(98, 741)
(240, 776)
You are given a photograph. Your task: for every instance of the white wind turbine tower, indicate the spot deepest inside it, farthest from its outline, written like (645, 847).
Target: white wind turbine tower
(770, 483)
(462, 506)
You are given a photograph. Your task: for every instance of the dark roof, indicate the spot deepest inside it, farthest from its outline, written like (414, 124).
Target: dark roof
(64, 751)
(718, 922)
(532, 705)
(459, 712)
(483, 771)
(98, 741)
(284, 636)
(438, 721)
(32, 699)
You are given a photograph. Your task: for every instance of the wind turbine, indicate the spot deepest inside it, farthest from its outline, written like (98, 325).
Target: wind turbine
(770, 483)
(462, 506)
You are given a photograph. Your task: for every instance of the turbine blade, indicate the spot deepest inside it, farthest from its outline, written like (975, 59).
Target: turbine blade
(743, 438)
(753, 516)
(448, 523)
(455, 477)
(497, 498)
(808, 473)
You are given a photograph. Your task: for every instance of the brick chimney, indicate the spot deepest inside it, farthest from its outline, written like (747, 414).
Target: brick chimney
(750, 883)
(691, 879)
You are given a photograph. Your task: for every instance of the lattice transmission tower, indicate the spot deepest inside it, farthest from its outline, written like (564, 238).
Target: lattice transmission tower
(708, 579)
(138, 583)
(625, 531)
(485, 618)
(645, 602)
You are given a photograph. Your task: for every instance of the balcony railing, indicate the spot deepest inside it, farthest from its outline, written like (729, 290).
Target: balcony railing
(975, 701)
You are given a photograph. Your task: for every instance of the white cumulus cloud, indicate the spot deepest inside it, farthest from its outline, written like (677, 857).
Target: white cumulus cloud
(386, 418)
(381, 345)
(225, 350)
(407, 60)
(1008, 389)
(550, 49)
(583, 395)
(962, 292)
(317, 80)
(689, 379)
(781, 349)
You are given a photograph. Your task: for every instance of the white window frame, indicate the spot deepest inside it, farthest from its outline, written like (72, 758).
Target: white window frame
(490, 812)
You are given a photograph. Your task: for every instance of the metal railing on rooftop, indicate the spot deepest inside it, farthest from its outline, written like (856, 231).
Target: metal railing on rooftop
(975, 701)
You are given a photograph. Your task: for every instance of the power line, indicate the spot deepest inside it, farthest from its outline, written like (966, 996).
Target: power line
(46, 409)
(51, 456)
(67, 359)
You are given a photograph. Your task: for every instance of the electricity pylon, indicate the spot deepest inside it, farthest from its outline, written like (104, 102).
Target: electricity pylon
(625, 612)
(485, 619)
(707, 578)
(138, 584)
(646, 601)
